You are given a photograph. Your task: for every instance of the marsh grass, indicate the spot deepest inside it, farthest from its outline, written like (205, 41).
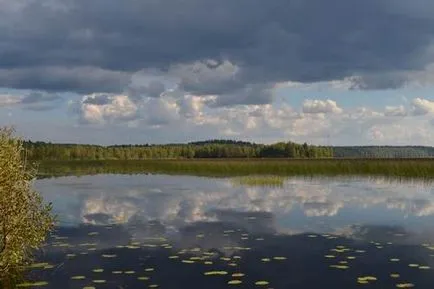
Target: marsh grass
(259, 181)
(393, 168)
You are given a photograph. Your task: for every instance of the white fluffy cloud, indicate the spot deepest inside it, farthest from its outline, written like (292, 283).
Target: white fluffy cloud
(321, 106)
(8, 100)
(422, 106)
(173, 116)
(102, 108)
(395, 111)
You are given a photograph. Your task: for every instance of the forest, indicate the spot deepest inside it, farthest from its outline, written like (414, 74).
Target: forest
(203, 149)
(217, 149)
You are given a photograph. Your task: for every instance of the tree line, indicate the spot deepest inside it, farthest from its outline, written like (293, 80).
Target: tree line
(383, 152)
(203, 149)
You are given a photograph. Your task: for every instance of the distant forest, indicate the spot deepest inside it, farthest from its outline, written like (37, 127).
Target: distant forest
(202, 149)
(383, 152)
(216, 149)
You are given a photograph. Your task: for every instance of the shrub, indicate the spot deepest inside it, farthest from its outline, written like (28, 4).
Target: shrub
(25, 220)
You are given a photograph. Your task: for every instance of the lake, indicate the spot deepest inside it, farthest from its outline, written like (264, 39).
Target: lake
(158, 231)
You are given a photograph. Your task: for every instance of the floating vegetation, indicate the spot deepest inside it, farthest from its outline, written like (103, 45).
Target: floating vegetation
(424, 267)
(116, 272)
(143, 278)
(330, 256)
(70, 255)
(394, 260)
(93, 233)
(195, 258)
(89, 287)
(213, 273)
(413, 265)
(33, 284)
(395, 275)
(312, 236)
(149, 269)
(132, 247)
(265, 259)
(88, 244)
(153, 286)
(238, 275)
(78, 277)
(208, 262)
(404, 285)
(99, 270)
(38, 265)
(259, 181)
(130, 272)
(99, 281)
(262, 283)
(174, 257)
(109, 255)
(234, 282)
(279, 258)
(342, 267)
(366, 279)
(187, 261)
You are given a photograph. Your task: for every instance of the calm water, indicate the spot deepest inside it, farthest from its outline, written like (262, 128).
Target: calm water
(146, 231)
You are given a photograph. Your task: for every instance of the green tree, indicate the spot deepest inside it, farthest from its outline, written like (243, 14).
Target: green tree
(25, 220)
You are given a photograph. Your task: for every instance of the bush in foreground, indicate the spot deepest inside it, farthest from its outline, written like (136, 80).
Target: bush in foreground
(25, 220)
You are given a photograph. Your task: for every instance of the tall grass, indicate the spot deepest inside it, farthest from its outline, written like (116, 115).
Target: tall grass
(259, 181)
(396, 168)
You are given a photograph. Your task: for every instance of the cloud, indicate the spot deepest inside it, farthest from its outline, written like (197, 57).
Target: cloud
(153, 89)
(37, 97)
(422, 106)
(395, 111)
(82, 79)
(102, 109)
(160, 111)
(34, 100)
(317, 209)
(321, 106)
(9, 100)
(97, 46)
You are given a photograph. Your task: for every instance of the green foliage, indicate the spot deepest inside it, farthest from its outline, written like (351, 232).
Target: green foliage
(24, 220)
(207, 149)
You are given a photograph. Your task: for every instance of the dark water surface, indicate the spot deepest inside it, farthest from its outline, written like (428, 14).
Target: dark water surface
(148, 231)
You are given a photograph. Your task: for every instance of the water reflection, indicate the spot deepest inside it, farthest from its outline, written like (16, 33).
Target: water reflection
(315, 233)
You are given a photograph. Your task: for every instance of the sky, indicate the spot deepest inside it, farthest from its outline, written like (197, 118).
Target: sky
(337, 72)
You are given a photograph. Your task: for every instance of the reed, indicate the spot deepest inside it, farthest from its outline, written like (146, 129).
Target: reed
(396, 168)
(259, 181)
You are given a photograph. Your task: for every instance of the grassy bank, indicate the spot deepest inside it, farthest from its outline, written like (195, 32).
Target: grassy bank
(398, 168)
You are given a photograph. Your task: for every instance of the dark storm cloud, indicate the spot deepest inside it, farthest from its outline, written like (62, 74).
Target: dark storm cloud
(270, 41)
(62, 79)
(41, 101)
(38, 97)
